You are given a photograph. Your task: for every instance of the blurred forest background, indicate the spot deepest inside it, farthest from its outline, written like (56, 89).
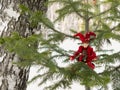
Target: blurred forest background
(32, 32)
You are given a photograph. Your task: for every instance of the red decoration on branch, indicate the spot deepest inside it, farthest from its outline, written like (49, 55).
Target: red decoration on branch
(85, 52)
(87, 37)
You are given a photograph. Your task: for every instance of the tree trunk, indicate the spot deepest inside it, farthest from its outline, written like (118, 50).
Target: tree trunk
(87, 88)
(13, 77)
(87, 30)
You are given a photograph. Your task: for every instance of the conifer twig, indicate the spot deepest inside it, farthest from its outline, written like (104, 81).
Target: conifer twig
(60, 32)
(112, 70)
(76, 10)
(102, 13)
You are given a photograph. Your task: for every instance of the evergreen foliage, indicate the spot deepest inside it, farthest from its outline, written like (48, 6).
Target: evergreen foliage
(38, 50)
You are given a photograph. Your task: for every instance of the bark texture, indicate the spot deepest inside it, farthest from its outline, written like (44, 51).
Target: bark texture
(13, 77)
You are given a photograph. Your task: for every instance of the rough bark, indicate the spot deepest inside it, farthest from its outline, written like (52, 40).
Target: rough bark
(13, 77)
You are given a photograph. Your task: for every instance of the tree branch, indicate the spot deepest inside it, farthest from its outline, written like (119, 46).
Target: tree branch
(76, 10)
(116, 68)
(52, 28)
(112, 70)
(102, 12)
(115, 27)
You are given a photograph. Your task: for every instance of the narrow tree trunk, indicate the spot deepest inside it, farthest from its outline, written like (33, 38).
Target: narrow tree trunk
(13, 77)
(87, 19)
(86, 30)
(86, 25)
(87, 88)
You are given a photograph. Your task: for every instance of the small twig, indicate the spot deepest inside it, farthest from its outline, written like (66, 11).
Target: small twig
(102, 13)
(115, 27)
(114, 69)
(76, 10)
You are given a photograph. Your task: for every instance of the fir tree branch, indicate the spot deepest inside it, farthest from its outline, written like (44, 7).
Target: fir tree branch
(52, 28)
(76, 10)
(115, 27)
(97, 26)
(100, 14)
(104, 12)
(112, 70)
